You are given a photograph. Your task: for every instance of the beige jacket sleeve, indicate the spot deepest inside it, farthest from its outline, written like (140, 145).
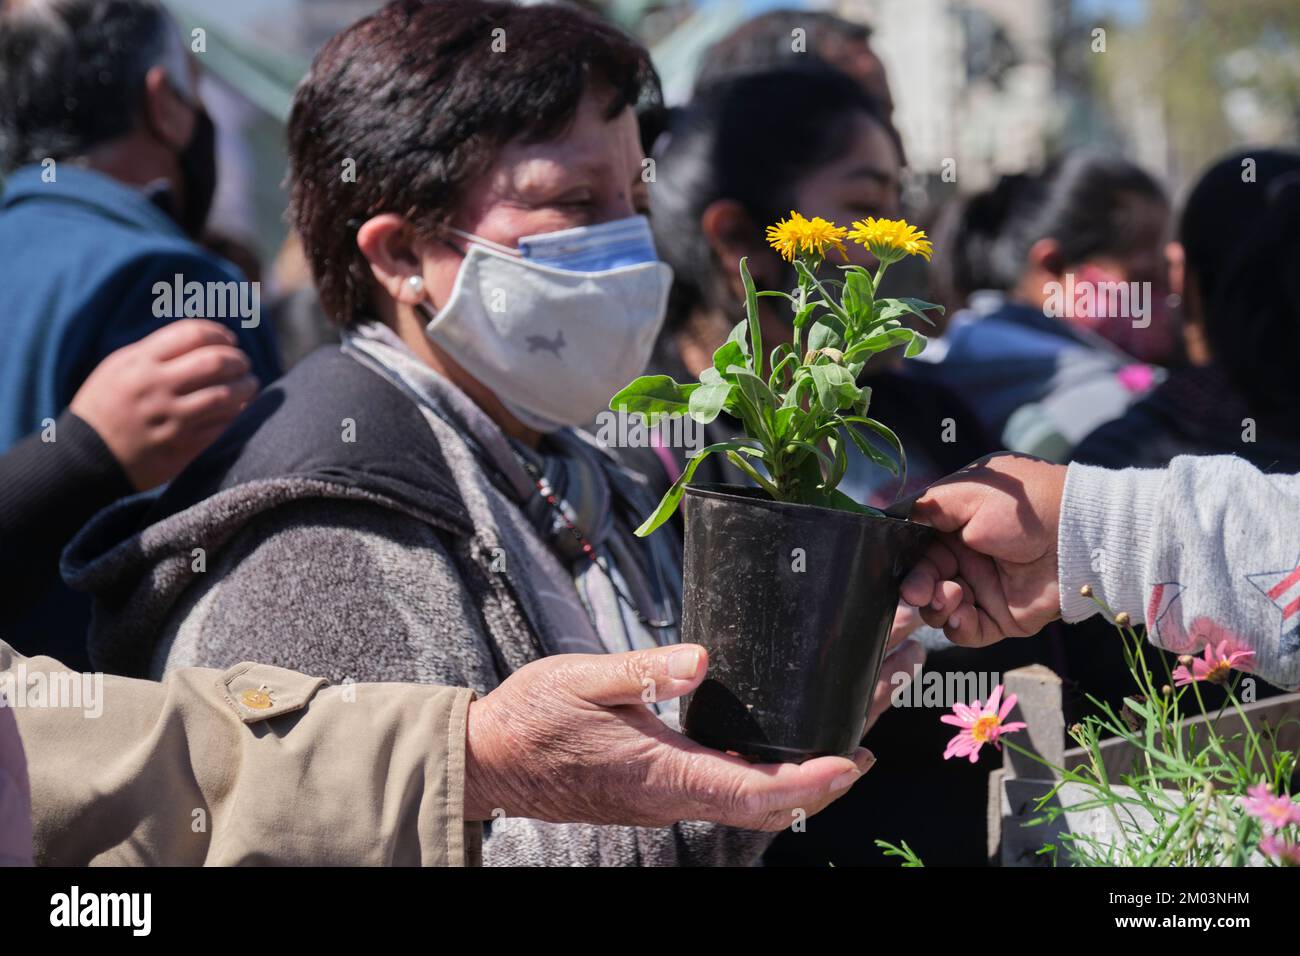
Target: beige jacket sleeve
(253, 765)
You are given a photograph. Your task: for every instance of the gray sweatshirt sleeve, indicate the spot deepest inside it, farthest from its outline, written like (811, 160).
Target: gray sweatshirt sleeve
(354, 592)
(1204, 551)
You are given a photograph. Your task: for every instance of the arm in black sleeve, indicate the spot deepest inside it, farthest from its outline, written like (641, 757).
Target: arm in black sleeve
(48, 490)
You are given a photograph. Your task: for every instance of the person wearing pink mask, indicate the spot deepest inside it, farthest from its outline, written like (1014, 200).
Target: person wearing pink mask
(1074, 259)
(1238, 394)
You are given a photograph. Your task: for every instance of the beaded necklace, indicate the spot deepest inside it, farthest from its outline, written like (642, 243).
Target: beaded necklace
(569, 518)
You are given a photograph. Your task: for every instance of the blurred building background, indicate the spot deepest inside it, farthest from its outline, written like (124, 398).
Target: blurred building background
(982, 86)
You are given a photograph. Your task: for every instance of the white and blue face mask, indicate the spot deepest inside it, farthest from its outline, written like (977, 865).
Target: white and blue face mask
(557, 326)
(621, 242)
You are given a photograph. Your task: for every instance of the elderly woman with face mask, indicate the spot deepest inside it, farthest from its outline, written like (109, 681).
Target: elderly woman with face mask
(417, 505)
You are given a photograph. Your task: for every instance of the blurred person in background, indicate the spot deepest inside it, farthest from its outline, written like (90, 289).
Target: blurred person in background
(301, 325)
(837, 157)
(109, 170)
(969, 279)
(1233, 267)
(419, 505)
(781, 39)
(141, 416)
(1034, 365)
(788, 39)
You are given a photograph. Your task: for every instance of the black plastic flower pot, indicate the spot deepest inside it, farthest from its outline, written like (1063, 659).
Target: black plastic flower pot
(794, 604)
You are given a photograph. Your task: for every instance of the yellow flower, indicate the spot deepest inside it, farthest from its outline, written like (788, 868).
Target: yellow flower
(812, 237)
(891, 239)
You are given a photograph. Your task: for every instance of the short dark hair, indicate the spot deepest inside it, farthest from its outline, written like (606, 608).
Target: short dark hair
(417, 97)
(72, 74)
(763, 43)
(1241, 237)
(1084, 200)
(970, 231)
(722, 146)
(1224, 208)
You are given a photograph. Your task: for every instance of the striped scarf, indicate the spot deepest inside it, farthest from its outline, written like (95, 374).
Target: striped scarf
(632, 590)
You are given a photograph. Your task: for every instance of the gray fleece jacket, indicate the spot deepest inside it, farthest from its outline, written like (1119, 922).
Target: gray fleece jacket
(1204, 551)
(345, 529)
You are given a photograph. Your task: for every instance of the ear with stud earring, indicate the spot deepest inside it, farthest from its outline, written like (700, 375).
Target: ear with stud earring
(415, 285)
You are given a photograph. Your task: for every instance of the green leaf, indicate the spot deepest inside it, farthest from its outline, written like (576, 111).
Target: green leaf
(668, 504)
(751, 312)
(835, 386)
(871, 451)
(893, 308)
(785, 415)
(802, 381)
(652, 396)
(916, 346)
(823, 497)
(707, 401)
(782, 356)
(740, 335)
(754, 387)
(851, 302)
(879, 342)
(826, 299)
(841, 465)
(859, 280)
(729, 353)
(810, 448)
(859, 297)
(841, 502)
(803, 315)
(823, 335)
(864, 400)
(896, 468)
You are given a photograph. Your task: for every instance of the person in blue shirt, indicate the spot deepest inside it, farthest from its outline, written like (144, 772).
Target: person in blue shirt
(1072, 303)
(109, 171)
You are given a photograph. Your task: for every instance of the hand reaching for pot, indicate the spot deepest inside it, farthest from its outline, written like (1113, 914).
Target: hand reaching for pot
(992, 573)
(569, 739)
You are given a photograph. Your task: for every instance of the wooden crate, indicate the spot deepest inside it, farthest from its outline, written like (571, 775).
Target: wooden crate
(1016, 788)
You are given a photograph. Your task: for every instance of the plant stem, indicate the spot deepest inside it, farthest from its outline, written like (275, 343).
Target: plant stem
(740, 462)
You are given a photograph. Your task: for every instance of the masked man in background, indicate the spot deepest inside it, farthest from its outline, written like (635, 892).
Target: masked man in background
(109, 166)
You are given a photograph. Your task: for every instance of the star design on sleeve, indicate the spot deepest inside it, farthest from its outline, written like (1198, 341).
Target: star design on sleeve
(1163, 597)
(1283, 589)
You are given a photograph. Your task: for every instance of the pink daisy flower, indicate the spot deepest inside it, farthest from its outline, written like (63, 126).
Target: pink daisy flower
(1280, 851)
(1275, 811)
(1228, 655)
(980, 725)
